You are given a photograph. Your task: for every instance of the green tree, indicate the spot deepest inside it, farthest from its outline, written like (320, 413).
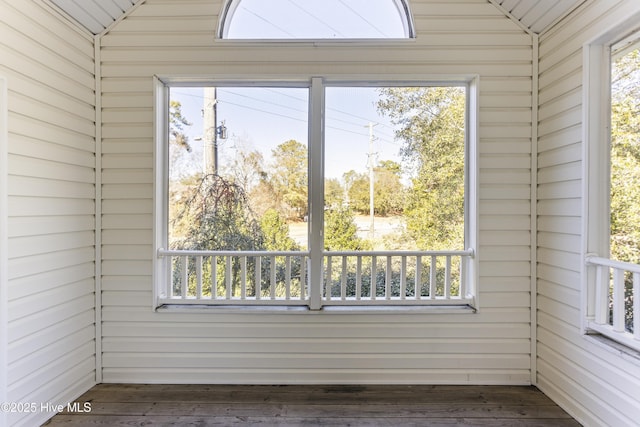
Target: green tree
(333, 193)
(177, 124)
(214, 214)
(276, 232)
(357, 185)
(180, 150)
(247, 169)
(341, 232)
(431, 124)
(388, 191)
(289, 179)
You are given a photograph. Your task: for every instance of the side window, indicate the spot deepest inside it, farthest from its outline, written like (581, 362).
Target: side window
(624, 158)
(612, 279)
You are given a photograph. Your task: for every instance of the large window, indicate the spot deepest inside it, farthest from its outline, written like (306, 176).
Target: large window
(612, 306)
(315, 193)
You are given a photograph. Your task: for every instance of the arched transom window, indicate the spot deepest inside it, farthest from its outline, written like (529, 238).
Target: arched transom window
(316, 19)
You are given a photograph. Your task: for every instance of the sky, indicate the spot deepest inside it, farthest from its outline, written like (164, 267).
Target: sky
(262, 118)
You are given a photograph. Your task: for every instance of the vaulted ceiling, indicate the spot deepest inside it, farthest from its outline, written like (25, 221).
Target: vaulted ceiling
(536, 15)
(95, 15)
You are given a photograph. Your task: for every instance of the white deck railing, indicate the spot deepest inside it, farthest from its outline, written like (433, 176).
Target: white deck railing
(616, 298)
(283, 278)
(396, 278)
(235, 277)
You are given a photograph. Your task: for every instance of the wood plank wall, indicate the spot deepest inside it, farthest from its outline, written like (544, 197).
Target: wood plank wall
(171, 37)
(597, 384)
(49, 69)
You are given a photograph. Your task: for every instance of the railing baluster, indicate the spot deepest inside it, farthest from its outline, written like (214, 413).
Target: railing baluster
(387, 279)
(258, 283)
(418, 285)
(343, 280)
(243, 277)
(214, 277)
(602, 296)
(358, 278)
(185, 277)
(618, 300)
(447, 278)
(228, 278)
(199, 277)
(374, 278)
(462, 281)
(272, 279)
(636, 306)
(403, 278)
(171, 284)
(287, 277)
(328, 280)
(303, 277)
(432, 278)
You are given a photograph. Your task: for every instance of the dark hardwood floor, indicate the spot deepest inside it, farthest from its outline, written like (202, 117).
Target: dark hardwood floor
(306, 405)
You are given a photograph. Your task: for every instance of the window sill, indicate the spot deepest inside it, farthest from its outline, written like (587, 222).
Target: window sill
(280, 309)
(614, 347)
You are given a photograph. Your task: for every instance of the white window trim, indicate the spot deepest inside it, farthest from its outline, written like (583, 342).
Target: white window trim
(596, 165)
(316, 160)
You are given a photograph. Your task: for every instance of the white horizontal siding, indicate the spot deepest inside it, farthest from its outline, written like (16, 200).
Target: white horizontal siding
(51, 190)
(167, 37)
(598, 386)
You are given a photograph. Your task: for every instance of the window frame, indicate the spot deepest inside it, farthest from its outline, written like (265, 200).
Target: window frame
(596, 178)
(316, 146)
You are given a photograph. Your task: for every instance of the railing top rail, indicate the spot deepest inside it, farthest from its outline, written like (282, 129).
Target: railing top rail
(180, 252)
(177, 252)
(468, 252)
(606, 262)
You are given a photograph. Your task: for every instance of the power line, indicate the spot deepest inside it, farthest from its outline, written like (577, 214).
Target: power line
(366, 119)
(222, 101)
(269, 22)
(316, 18)
(363, 18)
(305, 100)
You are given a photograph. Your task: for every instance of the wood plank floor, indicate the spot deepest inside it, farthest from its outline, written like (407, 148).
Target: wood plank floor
(306, 405)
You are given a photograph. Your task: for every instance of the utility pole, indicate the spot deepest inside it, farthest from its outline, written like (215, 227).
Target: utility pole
(210, 133)
(371, 180)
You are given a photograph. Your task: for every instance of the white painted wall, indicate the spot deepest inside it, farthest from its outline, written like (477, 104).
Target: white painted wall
(50, 332)
(594, 382)
(171, 37)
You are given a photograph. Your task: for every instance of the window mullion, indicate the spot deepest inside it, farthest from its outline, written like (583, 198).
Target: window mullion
(316, 191)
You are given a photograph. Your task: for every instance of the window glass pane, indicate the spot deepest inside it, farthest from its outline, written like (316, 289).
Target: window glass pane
(238, 168)
(625, 152)
(317, 19)
(624, 233)
(395, 168)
